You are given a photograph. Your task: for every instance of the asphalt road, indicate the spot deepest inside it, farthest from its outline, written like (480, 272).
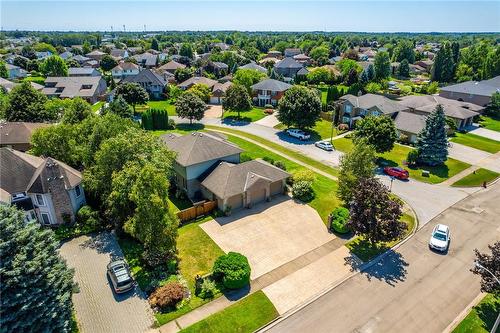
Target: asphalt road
(413, 289)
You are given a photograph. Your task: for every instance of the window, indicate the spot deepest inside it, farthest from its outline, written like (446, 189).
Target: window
(347, 108)
(39, 200)
(78, 191)
(45, 218)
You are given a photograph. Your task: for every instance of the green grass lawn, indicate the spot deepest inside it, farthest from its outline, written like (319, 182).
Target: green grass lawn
(399, 153)
(366, 251)
(477, 178)
(247, 315)
(490, 123)
(36, 79)
(482, 316)
(321, 131)
(180, 129)
(164, 104)
(97, 106)
(249, 116)
(477, 142)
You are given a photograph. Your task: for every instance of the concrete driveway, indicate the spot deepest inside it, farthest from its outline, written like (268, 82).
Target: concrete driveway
(475, 156)
(484, 132)
(270, 234)
(98, 308)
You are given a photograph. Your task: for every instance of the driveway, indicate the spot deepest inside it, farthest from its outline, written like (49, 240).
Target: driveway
(98, 308)
(270, 234)
(213, 111)
(475, 156)
(484, 132)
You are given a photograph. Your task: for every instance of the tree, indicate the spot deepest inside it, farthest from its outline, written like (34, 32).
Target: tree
(492, 263)
(464, 73)
(57, 141)
(54, 66)
(370, 72)
(132, 93)
(120, 107)
(404, 68)
(182, 74)
(382, 65)
(4, 73)
(36, 284)
(186, 50)
(443, 69)
(27, 104)
(404, 51)
(299, 107)
(108, 63)
(320, 74)
(202, 91)
(154, 44)
(237, 99)
(233, 269)
(378, 131)
(248, 77)
(78, 111)
(354, 166)
(320, 54)
(374, 214)
(190, 106)
(494, 107)
(432, 144)
(86, 47)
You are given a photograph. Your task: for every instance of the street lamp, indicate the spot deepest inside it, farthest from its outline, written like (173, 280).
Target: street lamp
(478, 265)
(392, 180)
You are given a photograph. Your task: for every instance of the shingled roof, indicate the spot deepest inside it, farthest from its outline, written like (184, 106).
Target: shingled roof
(452, 108)
(12, 133)
(271, 84)
(480, 88)
(370, 101)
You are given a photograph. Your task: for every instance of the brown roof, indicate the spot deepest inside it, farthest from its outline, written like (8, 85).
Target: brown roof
(197, 147)
(197, 80)
(230, 179)
(171, 65)
(17, 132)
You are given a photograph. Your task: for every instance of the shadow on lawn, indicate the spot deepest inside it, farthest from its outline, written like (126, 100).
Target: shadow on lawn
(488, 312)
(189, 127)
(235, 121)
(287, 138)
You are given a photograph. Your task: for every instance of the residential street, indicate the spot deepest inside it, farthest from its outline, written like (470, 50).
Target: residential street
(412, 289)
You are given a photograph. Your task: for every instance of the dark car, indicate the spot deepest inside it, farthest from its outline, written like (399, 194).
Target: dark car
(397, 172)
(119, 274)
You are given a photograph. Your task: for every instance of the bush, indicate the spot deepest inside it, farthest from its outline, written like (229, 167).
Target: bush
(88, 217)
(340, 217)
(304, 175)
(233, 269)
(343, 127)
(303, 191)
(412, 157)
(87, 221)
(167, 296)
(280, 164)
(268, 111)
(208, 289)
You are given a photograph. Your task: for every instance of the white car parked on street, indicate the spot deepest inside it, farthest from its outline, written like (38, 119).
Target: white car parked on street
(297, 133)
(325, 145)
(440, 238)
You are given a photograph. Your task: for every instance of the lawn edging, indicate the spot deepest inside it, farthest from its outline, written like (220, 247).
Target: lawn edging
(461, 316)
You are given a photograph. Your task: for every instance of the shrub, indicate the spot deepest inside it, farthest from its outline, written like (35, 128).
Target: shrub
(340, 217)
(280, 164)
(233, 269)
(268, 159)
(88, 217)
(268, 111)
(167, 296)
(269, 106)
(432, 88)
(208, 289)
(412, 157)
(303, 191)
(304, 175)
(343, 127)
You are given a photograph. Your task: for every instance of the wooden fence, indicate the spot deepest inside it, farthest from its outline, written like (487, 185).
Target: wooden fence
(197, 210)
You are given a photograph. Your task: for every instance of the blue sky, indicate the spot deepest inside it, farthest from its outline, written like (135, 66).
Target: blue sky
(279, 15)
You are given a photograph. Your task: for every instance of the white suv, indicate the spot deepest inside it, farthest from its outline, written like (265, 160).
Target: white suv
(299, 134)
(440, 238)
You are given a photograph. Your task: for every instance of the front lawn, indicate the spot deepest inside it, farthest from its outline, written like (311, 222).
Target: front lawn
(163, 105)
(482, 316)
(97, 106)
(321, 131)
(399, 153)
(366, 251)
(247, 116)
(477, 142)
(477, 178)
(35, 79)
(491, 123)
(247, 315)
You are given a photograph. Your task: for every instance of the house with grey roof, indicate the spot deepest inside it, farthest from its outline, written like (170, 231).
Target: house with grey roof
(66, 55)
(46, 189)
(288, 68)
(476, 92)
(83, 71)
(254, 66)
(269, 91)
(119, 53)
(197, 80)
(80, 59)
(146, 60)
(125, 69)
(219, 91)
(171, 67)
(290, 52)
(90, 88)
(15, 72)
(153, 82)
(17, 135)
(409, 124)
(9, 85)
(96, 55)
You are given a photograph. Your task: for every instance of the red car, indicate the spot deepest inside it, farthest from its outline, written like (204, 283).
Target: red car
(397, 172)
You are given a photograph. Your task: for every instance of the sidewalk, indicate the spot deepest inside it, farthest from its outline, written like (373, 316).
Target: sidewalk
(458, 176)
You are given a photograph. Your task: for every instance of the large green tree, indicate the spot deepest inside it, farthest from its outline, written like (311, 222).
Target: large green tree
(190, 106)
(320, 54)
(432, 144)
(36, 284)
(27, 104)
(54, 66)
(492, 264)
(120, 107)
(133, 93)
(237, 99)
(248, 77)
(202, 91)
(77, 112)
(404, 68)
(382, 65)
(4, 73)
(299, 107)
(108, 63)
(443, 69)
(378, 131)
(404, 50)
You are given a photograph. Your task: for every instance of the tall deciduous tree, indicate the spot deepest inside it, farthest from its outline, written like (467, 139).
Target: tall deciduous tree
(108, 63)
(492, 263)
(27, 104)
(54, 66)
(36, 284)
(299, 107)
(382, 65)
(432, 144)
(182, 74)
(133, 93)
(374, 214)
(248, 77)
(190, 106)
(77, 112)
(120, 107)
(186, 50)
(237, 99)
(202, 91)
(378, 131)
(404, 50)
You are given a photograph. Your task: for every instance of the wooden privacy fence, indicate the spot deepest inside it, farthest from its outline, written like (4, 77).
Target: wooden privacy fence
(197, 210)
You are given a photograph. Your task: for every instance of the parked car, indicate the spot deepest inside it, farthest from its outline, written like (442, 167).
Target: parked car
(297, 133)
(440, 238)
(120, 276)
(325, 145)
(397, 172)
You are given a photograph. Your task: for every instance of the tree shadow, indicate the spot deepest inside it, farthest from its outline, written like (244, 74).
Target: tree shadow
(235, 121)
(441, 170)
(391, 269)
(234, 295)
(287, 138)
(488, 313)
(103, 242)
(189, 127)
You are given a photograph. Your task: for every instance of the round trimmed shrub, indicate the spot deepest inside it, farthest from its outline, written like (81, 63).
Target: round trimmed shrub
(412, 157)
(167, 296)
(303, 191)
(233, 269)
(340, 217)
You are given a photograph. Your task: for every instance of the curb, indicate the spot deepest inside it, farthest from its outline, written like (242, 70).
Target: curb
(464, 313)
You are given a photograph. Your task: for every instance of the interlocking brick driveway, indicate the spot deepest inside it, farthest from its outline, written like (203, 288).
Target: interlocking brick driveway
(98, 308)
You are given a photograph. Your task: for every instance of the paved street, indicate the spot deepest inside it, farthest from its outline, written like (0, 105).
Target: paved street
(412, 289)
(98, 308)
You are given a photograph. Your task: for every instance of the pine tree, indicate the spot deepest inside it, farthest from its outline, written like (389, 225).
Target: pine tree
(404, 68)
(432, 144)
(36, 284)
(370, 72)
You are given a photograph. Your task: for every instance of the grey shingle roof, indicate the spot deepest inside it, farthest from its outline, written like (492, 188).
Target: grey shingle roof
(370, 101)
(146, 75)
(452, 108)
(81, 71)
(271, 84)
(288, 63)
(172, 65)
(72, 86)
(197, 147)
(197, 80)
(410, 122)
(18, 132)
(230, 179)
(254, 66)
(481, 88)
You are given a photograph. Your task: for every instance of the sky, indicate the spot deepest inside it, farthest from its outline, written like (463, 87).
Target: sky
(257, 15)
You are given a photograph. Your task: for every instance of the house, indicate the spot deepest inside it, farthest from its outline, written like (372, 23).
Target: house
(47, 189)
(90, 88)
(252, 65)
(218, 92)
(353, 108)
(216, 67)
(95, 55)
(274, 54)
(15, 72)
(288, 68)
(80, 59)
(476, 92)
(119, 53)
(146, 60)
(409, 124)
(197, 80)
(303, 59)
(66, 55)
(171, 67)
(125, 69)
(134, 50)
(461, 112)
(269, 60)
(235, 186)
(17, 135)
(198, 154)
(221, 46)
(43, 54)
(9, 85)
(269, 91)
(426, 64)
(83, 71)
(416, 69)
(153, 83)
(290, 52)
(91, 63)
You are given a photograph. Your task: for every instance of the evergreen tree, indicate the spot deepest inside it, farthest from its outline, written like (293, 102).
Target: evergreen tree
(404, 68)
(154, 44)
(363, 78)
(443, 69)
(432, 144)
(120, 107)
(382, 65)
(370, 72)
(4, 73)
(36, 284)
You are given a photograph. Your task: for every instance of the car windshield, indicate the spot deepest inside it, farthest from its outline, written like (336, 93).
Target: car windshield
(123, 283)
(118, 268)
(439, 235)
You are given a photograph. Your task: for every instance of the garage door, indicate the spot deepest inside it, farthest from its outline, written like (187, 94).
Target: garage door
(276, 188)
(257, 195)
(235, 202)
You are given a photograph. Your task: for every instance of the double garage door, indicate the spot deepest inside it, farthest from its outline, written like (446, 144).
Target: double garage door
(255, 195)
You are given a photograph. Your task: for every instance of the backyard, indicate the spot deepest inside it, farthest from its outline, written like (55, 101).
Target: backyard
(482, 316)
(477, 178)
(247, 116)
(477, 142)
